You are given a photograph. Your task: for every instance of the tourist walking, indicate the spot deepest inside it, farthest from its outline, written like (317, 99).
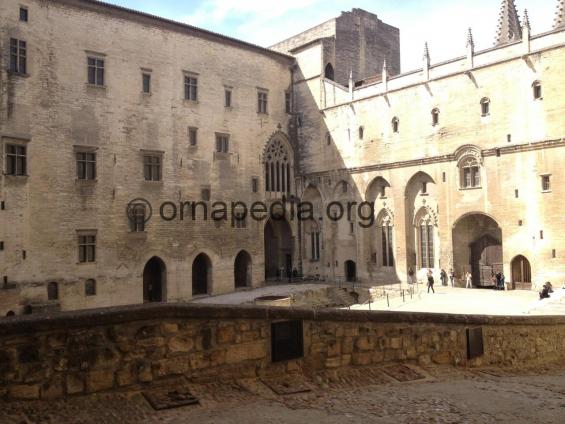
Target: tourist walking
(502, 282)
(410, 276)
(430, 281)
(468, 281)
(443, 277)
(452, 277)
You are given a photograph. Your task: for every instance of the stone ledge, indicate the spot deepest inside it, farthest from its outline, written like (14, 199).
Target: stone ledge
(122, 314)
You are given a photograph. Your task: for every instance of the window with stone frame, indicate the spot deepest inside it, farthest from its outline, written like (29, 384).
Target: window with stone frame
(87, 248)
(86, 165)
(537, 91)
(546, 183)
(152, 167)
(96, 69)
(222, 143)
(53, 291)
(24, 14)
(288, 102)
(278, 169)
(255, 184)
(193, 136)
(240, 220)
(485, 106)
(18, 56)
(227, 97)
(262, 98)
(90, 287)
(146, 82)
(16, 159)
(137, 216)
(386, 234)
(470, 173)
(426, 242)
(435, 117)
(191, 88)
(395, 125)
(361, 132)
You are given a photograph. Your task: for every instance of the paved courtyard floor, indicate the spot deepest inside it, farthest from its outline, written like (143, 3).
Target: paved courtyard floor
(356, 396)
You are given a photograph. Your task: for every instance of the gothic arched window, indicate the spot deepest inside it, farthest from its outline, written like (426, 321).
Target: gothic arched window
(329, 72)
(425, 228)
(385, 224)
(470, 172)
(278, 168)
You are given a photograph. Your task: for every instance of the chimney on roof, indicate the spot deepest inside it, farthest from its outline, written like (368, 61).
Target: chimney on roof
(509, 27)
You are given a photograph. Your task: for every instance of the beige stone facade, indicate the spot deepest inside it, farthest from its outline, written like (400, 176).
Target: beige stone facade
(290, 125)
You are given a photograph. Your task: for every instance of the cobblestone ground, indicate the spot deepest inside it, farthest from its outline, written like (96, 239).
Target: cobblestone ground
(366, 395)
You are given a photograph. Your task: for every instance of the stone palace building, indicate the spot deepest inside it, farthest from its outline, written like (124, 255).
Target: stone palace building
(112, 121)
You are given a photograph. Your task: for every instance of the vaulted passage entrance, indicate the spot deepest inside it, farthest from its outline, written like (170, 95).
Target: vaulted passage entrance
(242, 270)
(477, 248)
(154, 280)
(278, 249)
(201, 275)
(521, 273)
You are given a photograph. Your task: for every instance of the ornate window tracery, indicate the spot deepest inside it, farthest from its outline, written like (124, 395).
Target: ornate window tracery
(278, 168)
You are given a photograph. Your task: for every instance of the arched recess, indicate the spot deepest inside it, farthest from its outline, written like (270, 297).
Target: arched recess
(477, 248)
(201, 275)
(278, 249)
(521, 273)
(154, 280)
(278, 165)
(420, 204)
(242, 270)
(378, 189)
(469, 162)
(329, 72)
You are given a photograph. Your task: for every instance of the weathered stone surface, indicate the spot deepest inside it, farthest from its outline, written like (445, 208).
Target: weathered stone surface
(99, 380)
(74, 384)
(243, 352)
(181, 344)
(24, 391)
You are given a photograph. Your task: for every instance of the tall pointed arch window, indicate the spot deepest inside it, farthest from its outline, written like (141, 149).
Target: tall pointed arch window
(426, 245)
(278, 169)
(387, 251)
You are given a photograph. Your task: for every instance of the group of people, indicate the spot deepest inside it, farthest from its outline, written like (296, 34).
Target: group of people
(498, 279)
(546, 290)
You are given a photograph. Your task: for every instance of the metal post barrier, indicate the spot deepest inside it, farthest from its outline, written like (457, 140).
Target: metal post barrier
(403, 296)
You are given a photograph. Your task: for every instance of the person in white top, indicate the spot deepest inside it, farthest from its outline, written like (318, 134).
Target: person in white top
(469, 281)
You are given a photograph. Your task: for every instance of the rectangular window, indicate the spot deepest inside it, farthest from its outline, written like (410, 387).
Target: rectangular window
(222, 143)
(95, 71)
(18, 56)
(24, 14)
(86, 166)
(86, 248)
(424, 187)
(227, 97)
(137, 215)
(193, 136)
(152, 167)
(146, 83)
(205, 194)
(191, 88)
(287, 102)
(546, 182)
(541, 235)
(16, 160)
(261, 102)
(255, 184)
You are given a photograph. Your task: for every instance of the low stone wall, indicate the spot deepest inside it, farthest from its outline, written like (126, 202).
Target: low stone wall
(90, 351)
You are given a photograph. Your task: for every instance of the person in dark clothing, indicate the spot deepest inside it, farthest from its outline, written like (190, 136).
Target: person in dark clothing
(443, 277)
(430, 281)
(544, 294)
(497, 286)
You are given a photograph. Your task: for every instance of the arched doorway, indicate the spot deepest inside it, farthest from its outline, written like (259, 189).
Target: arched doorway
(329, 72)
(350, 271)
(242, 270)
(521, 273)
(154, 280)
(201, 274)
(278, 249)
(477, 248)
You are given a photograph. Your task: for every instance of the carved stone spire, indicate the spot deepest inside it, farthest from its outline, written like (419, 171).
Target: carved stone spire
(560, 15)
(426, 59)
(470, 41)
(470, 49)
(509, 28)
(526, 23)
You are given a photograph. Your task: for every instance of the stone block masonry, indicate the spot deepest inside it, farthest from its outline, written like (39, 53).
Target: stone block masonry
(92, 351)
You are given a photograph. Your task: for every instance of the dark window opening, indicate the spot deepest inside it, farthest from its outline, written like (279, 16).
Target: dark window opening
(95, 71)
(537, 90)
(16, 160)
(541, 235)
(90, 287)
(87, 248)
(24, 14)
(205, 194)
(424, 187)
(152, 168)
(137, 217)
(286, 341)
(52, 291)
(545, 183)
(395, 125)
(287, 102)
(146, 82)
(86, 166)
(361, 132)
(227, 98)
(255, 184)
(193, 136)
(222, 143)
(485, 107)
(435, 117)
(329, 72)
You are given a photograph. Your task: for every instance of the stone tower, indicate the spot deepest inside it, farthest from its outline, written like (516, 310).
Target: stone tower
(509, 27)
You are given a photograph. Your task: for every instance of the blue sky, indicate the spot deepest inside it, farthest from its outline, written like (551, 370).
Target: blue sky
(443, 23)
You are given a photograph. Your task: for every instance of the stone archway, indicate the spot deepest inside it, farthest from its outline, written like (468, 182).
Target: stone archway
(477, 248)
(154, 280)
(278, 249)
(242, 270)
(521, 273)
(201, 275)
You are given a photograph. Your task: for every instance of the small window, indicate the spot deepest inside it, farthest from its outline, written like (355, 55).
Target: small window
(255, 184)
(95, 71)
(87, 248)
(16, 160)
(424, 187)
(262, 102)
(205, 194)
(536, 87)
(520, 223)
(193, 136)
(222, 143)
(137, 215)
(509, 138)
(227, 97)
(24, 14)
(18, 56)
(545, 182)
(485, 107)
(443, 177)
(239, 220)
(516, 193)
(329, 72)
(554, 253)
(287, 102)
(435, 117)
(395, 125)
(191, 88)
(52, 291)
(146, 82)
(328, 138)
(344, 187)
(86, 166)
(351, 228)
(361, 132)
(152, 167)
(90, 287)
(541, 235)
